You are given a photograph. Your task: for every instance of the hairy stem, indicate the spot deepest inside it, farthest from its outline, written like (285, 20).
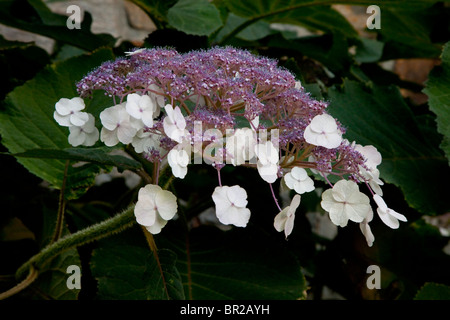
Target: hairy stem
(98, 231)
(32, 275)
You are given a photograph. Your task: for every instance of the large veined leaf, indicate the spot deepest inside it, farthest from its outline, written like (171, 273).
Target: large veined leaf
(26, 119)
(210, 265)
(196, 17)
(240, 264)
(438, 91)
(126, 269)
(316, 16)
(379, 116)
(433, 291)
(94, 155)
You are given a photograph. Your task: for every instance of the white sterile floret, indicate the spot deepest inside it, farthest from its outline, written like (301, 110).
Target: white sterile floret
(371, 154)
(155, 207)
(174, 123)
(231, 205)
(388, 216)
(117, 126)
(284, 221)
(268, 158)
(373, 178)
(178, 161)
(323, 131)
(85, 135)
(68, 112)
(365, 229)
(240, 146)
(141, 107)
(143, 141)
(345, 202)
(299, 180)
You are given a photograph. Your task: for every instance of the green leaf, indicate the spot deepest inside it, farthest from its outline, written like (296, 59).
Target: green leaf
(378, 116)
(368, 50)
(239, 264)
(196, 17)
(413, 31)
(330, 49)
(315, 16)
(26, 120)
(156, 10)
(433, 291)
(438, 91)
(126, 269)
(255, 31)
(95, 155)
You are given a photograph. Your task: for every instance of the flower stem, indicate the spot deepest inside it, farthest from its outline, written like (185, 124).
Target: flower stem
(218, 175)
(61, 207)
(274, 197)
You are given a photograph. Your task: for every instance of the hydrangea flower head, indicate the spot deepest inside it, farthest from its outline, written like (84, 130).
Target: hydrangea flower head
(216, 103)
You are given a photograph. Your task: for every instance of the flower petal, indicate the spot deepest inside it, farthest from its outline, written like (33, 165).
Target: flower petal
(166, 204)
(237, 196)
(280, 219)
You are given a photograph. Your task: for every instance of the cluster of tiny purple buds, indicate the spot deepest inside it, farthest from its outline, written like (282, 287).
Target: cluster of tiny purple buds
(225, 89)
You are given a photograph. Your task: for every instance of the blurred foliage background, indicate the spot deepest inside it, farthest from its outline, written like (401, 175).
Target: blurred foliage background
(390, 87)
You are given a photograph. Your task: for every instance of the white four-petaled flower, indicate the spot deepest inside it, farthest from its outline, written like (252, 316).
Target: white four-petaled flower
(231, 205)
(174, 123)
(141, 107)
(117, 126)
(85, 135)
(268, 158)
(388, 216)
(68, 112)
(284, 221)
(178, 160)
(155, 207)
(299, 180)
(345, 202)
(323, 131)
